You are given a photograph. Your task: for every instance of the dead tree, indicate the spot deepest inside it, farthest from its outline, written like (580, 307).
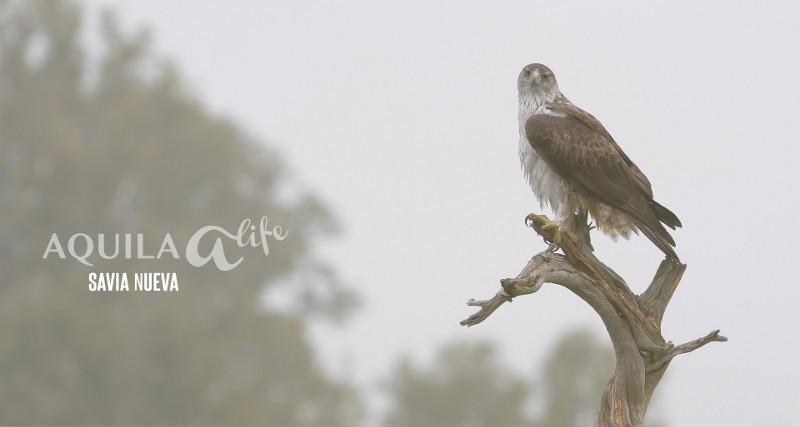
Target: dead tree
(633, 321)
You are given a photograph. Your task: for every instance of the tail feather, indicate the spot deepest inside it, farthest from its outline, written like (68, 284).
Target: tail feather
(665, 215)
(658, 239)
(648, 216)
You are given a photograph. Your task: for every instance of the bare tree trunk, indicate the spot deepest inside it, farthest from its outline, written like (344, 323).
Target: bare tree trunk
(633, 321)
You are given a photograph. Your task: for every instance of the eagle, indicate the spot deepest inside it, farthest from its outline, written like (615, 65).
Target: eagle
(574, 165)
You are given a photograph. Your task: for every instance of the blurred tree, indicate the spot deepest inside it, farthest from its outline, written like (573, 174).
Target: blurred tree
(465, 387)
(111, 143)
(573, 379)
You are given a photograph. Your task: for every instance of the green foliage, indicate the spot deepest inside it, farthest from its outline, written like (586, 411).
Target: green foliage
(114, 144)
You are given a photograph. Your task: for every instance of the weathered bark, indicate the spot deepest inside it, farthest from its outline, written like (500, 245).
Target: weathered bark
(633, 322)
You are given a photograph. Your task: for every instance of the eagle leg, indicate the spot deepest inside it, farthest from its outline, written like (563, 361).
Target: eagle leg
(548, 229)
(572, 236)
(551, 232)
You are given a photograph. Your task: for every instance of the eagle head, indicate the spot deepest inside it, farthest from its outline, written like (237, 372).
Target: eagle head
(537, 81)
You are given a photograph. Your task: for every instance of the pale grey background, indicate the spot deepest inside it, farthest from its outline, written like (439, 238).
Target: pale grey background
(403, 116)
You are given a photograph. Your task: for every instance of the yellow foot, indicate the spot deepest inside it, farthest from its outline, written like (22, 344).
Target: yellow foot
(551, 232)
(536, 221)
(548, 229)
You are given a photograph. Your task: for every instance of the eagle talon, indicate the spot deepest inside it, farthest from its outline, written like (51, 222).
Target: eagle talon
(536, 221)
(546, 228)
(549, 230)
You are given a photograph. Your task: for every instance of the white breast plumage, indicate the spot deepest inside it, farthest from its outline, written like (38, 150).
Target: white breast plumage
(546, 185)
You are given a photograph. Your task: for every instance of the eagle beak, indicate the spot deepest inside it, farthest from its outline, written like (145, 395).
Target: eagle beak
(535, 77)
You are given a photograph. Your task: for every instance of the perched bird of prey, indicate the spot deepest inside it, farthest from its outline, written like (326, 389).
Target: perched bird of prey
(573, 164)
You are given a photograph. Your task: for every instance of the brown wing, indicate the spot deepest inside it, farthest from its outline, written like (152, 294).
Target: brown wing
(581, 151)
